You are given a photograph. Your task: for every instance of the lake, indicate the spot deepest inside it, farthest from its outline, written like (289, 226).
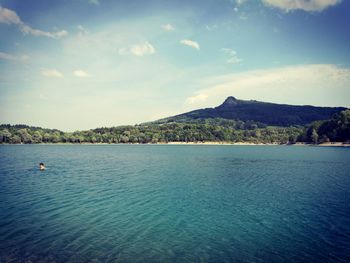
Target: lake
(174, 203)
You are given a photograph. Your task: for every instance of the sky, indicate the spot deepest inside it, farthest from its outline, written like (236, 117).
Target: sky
(83, 64)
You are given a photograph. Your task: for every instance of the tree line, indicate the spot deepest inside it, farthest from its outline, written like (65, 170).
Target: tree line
(336, 129)
(200, 130)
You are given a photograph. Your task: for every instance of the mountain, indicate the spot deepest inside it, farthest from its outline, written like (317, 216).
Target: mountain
(336, 129)
(263, 112)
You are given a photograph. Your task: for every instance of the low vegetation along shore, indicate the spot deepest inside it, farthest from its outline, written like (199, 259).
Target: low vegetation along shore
(332, 132)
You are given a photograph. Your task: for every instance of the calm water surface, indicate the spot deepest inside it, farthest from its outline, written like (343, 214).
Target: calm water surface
(170, 203)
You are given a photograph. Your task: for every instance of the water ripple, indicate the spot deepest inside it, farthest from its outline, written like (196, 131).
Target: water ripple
(174, 204)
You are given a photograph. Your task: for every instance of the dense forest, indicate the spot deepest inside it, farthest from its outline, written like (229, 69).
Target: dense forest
(337, 129)
(200, 130)
(271, 114)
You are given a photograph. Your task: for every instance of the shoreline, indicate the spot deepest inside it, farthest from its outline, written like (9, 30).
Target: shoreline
(330, 144)
(334, 144)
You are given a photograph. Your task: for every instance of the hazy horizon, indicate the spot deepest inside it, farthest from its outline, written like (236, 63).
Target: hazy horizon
(95, 63)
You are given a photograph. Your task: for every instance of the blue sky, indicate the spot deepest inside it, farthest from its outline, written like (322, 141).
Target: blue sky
(83, 64)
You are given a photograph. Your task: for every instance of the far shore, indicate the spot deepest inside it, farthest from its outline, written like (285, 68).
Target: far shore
(329, 144)
(333, 144)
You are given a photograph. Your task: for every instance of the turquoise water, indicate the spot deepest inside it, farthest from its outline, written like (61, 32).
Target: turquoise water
(171, 203)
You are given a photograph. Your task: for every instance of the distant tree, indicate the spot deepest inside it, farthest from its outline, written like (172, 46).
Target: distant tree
(5, 136)
(257, 133)
(323, 139)
(25, 136)
(314, 136)
(124, 139)
(214, 129)
(127, 133)
(93, 139)
(292, 139)
(79, 139)
(56, 137)
(37, 138)
(155, 138)
(64, 138)
(335, 129)
(142, 138)
(15, 139)
(46, 137)
(133, 139)
(106, 138)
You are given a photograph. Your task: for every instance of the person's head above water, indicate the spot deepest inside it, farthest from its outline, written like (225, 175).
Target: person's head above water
(41, 166)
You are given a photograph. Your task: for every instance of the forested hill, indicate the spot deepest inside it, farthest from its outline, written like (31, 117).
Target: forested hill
(263, 112)
(233, 121)
(336, 129)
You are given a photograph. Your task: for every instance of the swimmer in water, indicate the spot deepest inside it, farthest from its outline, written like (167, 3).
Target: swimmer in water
(41, 167)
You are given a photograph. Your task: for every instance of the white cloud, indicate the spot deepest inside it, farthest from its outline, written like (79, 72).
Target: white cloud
(81, 73)
(35, 32)
(10, 57)
(52, 73)
(199, 98)
(232, 56)
(190, 43)
(306, 5)
(168, 27)
(9, 17)
(142, 49)
(315, 84)
(94, 2)
(138, 50)
(82, 30)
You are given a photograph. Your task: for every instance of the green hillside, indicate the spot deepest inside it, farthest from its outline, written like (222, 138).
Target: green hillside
(186, 128)
(263, 112)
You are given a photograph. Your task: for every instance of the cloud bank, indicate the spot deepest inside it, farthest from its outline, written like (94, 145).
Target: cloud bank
(11, 57)
(315, 84)
(9, 17)
(306, 5)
